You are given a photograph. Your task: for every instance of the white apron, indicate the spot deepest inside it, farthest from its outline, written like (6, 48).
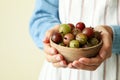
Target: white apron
(92, 13)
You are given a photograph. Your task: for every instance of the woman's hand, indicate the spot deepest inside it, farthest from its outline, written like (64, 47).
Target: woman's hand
(104, 53)
(51, 53)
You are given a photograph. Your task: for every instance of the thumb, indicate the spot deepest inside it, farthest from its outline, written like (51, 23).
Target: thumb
(103, 54)
(47, 36)
(46, 40)
(49, 33)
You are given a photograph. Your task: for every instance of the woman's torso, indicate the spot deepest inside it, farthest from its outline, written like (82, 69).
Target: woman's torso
(92, 13)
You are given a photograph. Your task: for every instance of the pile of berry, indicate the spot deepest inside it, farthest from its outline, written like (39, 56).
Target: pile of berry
(76, 36)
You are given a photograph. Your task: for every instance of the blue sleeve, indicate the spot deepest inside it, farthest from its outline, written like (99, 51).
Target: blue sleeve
(44, 17)
(116, 39)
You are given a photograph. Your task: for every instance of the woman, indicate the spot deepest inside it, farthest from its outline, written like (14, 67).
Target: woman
(104, 15)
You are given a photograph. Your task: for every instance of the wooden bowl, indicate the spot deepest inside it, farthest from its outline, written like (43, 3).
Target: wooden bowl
(71, 54)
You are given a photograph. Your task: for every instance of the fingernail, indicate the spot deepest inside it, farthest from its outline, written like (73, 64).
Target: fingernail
(58, 58)
(70, 65)
(81, 60)
(52, 51)
(62, 63)
(46, 40)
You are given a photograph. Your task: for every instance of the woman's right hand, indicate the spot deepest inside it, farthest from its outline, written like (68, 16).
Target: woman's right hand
(51, 53)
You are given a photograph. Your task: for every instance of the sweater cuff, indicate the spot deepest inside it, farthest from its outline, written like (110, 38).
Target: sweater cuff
(116, 39)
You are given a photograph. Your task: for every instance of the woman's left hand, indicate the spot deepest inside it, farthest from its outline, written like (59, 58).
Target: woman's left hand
(105, 52)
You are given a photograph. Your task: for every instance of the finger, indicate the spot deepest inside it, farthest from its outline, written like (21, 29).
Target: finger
(46, 40)
(49, 50)
(60, 64)
(47, 36)
(51, 53)
(91, 61)
(105, 51)
(78, 65)
(71, 66)
(50, 32)
(54, 58)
